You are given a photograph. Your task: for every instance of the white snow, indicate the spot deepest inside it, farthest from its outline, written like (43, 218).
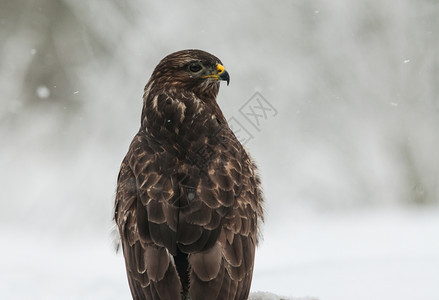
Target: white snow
(43, 92)
(371, 255)
(271, 296)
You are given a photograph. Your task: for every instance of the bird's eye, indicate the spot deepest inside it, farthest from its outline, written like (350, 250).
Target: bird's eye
(195, 67)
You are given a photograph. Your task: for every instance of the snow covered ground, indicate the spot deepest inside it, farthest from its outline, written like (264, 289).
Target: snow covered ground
(372, 255)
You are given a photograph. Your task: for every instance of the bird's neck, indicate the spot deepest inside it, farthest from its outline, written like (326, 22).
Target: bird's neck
(175, 118)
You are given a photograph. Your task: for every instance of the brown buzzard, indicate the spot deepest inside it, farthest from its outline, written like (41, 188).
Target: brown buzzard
(188, 200)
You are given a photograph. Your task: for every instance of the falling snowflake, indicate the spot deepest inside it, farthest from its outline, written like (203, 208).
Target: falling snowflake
(43, 92)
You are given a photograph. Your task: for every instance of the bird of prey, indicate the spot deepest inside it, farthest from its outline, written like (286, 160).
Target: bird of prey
(188, 201)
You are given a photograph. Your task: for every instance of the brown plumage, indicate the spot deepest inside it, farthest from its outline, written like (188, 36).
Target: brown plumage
(188, 200)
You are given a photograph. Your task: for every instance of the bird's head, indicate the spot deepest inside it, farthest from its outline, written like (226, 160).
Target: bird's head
(191, 70)
(183, 89)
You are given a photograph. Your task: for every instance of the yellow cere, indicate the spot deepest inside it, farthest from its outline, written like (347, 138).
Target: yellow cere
(220, 68)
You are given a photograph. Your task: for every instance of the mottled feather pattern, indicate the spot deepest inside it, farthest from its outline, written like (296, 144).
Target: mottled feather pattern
(188, 202)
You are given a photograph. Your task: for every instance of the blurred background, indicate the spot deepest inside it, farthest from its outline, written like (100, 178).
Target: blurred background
(349, 161)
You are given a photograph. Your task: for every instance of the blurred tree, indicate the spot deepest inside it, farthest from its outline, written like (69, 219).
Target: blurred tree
(44, 43)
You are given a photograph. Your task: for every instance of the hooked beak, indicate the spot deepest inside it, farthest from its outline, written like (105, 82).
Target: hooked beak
(221, 74)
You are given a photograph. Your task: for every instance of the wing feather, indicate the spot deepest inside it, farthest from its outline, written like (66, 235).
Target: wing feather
(144, 233)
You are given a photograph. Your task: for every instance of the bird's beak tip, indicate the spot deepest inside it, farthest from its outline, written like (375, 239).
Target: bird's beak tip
(224, 75)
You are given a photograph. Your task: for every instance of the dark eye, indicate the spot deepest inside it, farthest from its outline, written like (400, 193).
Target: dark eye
(195, 67)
